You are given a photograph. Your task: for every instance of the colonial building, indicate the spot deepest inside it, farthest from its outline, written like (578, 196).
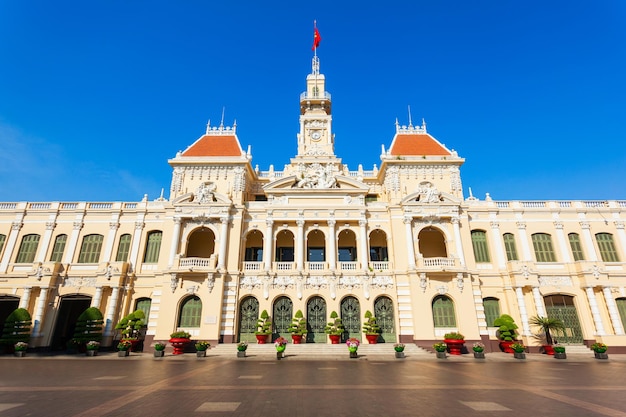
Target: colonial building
(399, 240)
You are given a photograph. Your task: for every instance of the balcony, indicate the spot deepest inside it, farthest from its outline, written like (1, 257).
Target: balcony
(196, 264)
(437, 263)
(379, 266)
(347, 266)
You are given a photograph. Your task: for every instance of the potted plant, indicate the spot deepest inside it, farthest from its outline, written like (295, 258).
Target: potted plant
(353, 347)
(20, 349)
(88, 328)
(92, 348)
(506, 332)
(479, 350)
(179, 341)
(123, 348)
(264, 327)
(130, 327)
(518, 350)
(334, 329)
(599, 350)
(370, 328)
(281, 344)
(559, 352)
(548, 325)
(455, 342)
(201, 348)
(440, 348)
(241, 349)
(159, 350)
(16, 329)
(297, 328)
(399, 348)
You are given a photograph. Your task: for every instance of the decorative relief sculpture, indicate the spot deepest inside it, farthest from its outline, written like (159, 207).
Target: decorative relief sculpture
(428, 193)
(283, 282)
(249, 283)
(78, 282)
(382, 282)
(349, 282)
(316, 282)
(205, 193)
(546, 281)
(316, 176)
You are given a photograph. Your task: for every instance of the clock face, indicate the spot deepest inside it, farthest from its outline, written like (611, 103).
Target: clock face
(316, 135)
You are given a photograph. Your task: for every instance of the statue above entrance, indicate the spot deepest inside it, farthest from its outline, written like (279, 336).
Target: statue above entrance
(317, 176)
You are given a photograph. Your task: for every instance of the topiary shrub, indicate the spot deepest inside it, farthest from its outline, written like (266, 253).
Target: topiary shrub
(506, 328)
(131, 325)
(16, 327)
(89, 326)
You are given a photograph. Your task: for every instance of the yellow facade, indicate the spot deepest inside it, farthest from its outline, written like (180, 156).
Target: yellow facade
(400, 240)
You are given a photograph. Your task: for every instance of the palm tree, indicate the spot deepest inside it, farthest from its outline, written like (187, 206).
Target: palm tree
(547, 324)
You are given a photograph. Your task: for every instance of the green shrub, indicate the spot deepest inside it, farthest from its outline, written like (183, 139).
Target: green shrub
(16, 327)
(89, 326)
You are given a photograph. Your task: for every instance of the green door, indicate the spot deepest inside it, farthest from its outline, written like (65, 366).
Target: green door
(283, 313)
(383, 310)
(562, 307)
(248, 315)
(351, 318)
(316, 320)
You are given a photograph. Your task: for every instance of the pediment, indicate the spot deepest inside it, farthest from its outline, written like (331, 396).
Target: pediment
(428, 194)
(336, 185)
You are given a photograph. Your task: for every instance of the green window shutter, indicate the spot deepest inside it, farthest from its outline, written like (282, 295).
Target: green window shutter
(607, 247)
(443, 312)
(542, 243)
(58, 248)
(144, 304)
(621, 307)
(28, 248)
(577, 249)
(492, 310)
(509, 246)
(479, 243)
(153, 247)
(190, 312)
(123, 248)
(3, 239)
(90, 249)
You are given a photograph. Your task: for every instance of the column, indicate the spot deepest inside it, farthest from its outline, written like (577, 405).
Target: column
(590, 248)
(39, 310)
(522, 310)
(97, 298)
(618, 326)
(595, 312)
(457, 239)
(10, 245)
(44, 244)
(498, 244)
(267, 244)
(363, 241)
(175, 240)
(110, 313)
(408, 221)
(110, 240)
(300, 245)
(526, 254)
(221, 260)
(134, 249)
(332, 245)
(25, 300)
(560, 237)
(539, 306)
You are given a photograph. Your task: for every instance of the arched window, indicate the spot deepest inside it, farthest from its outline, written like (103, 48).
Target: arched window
(479, 243)
(153, 247)
(542, 243)
(443, 312)
(621, 307)
(144, 304)
(123, 249)
(577, 249)
(190, 312)
(509, 247)
(607, 247)
(58, 248)
(90, 249)
(28, 248)
(492, 309)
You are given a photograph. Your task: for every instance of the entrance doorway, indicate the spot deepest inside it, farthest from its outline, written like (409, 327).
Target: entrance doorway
(562, 307)
(248, 316)
(351, 318)
(70, 307)
(316, 320)
(283, 313)
(383, 310)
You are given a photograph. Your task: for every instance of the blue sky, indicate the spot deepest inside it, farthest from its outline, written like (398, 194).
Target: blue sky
(96, 96)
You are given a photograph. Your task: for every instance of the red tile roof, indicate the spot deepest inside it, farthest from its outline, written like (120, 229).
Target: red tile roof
(418, 144)
(215, 145)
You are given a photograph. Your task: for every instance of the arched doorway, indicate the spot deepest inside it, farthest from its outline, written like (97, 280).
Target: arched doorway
(316, 320)
(70, 307)
(283, 313)
(383, 310)
(562, 307)
(248, 316)
(351, 318)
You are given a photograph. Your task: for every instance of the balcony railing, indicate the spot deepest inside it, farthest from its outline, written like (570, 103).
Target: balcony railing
(316, 266)
(379, 265)
(284, 266)
(194, 262)
(438, 262)
(348, 266)
(252, 266)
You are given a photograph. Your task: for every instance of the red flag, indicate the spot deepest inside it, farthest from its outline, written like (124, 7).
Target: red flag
(316, 39)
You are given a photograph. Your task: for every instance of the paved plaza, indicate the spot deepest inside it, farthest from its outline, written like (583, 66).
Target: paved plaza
(260, 385)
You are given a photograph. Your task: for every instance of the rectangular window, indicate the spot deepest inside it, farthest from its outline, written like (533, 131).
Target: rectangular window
(347, 254)
(443, 312)
(284, 254)
(58, 248)
(28, 248)
(509, 246)
(123, 248)
(607, 247)
(90, 249)
(254, 254)
(3, 238)
(542, 243)
(492, 310)
(378, 253)
(479, 243)
(153, 247)
(577, 249)
(315, 255)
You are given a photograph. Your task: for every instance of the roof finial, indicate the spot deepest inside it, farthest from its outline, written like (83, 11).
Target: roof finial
(208, 126)
(410, 121)
(222, 121)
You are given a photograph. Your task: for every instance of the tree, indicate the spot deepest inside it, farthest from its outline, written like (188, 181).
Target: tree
(547, 325)
(131, 325)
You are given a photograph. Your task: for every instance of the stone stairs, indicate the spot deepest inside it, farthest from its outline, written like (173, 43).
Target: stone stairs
(318, 349)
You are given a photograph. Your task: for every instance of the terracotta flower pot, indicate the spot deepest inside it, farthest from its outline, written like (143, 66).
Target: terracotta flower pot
(455, 346)
(334, 338)
(179, 343)
(261, 339)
